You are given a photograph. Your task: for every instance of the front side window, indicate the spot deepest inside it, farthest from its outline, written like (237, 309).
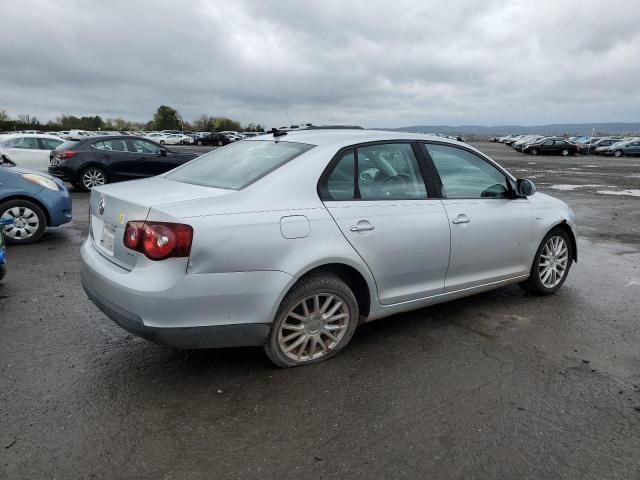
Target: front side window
(27, 143)
(238, 164)
(142, 146)
(466, 175)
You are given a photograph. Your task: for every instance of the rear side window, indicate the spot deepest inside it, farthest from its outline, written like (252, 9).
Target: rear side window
(239, 164)
(116, 145)
(375, 172)
(50, 143)
(27, 143)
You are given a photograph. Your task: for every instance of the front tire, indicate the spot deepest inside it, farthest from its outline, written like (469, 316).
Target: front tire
(314, 322)
(534, 151)
(29, 221)
(199, 143)
(617, 153)
(220, 143)
(551, 264)
(565, 153)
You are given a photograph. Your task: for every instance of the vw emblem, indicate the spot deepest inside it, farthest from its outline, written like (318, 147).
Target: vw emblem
(101, 206)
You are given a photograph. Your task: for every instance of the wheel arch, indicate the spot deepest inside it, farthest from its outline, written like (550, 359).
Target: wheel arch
(350, 275)
(92, 163)
(563, 225)
(32, 200)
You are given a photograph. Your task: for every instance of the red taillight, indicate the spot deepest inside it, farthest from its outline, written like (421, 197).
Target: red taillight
(67, 154)
(159, 240)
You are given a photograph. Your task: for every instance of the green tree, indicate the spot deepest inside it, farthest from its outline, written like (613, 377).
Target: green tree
(222, 124)
(167, 118)
(204, 123)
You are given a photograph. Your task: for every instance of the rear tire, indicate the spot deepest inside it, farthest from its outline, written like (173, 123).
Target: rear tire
(92, 177)
(315, 321)
(618, 153)
(534, 152)
(542, 280)
(220, 143)
(565, 152)
(30, 221)
(199, 143)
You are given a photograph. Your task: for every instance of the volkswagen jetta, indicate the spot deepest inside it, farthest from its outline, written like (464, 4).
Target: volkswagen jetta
(290, 241)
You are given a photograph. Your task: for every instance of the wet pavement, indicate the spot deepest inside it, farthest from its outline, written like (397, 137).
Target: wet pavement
(499, 385)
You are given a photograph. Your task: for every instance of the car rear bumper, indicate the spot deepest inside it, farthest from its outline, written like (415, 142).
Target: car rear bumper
(196, 311)
(63, 173)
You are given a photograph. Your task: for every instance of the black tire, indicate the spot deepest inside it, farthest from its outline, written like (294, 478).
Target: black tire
(220, 143)
(534, 284)
(322, 283)
(199, 143)
(3, 271)
(83, 184)
(161, 142)
(39, 213)
(534, 151)
(618, 153)
(565, 152)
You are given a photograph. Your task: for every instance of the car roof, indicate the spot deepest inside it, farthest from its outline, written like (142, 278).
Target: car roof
(344, 137)
(36, 135)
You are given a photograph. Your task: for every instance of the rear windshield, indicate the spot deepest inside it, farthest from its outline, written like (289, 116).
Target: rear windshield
(66, 145)
(237, 165)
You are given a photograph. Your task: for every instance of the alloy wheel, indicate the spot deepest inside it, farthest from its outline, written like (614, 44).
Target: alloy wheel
(617, 153)
(565, 152)
(25, 223)
(553, 262)
(92, 178)
(313, 327)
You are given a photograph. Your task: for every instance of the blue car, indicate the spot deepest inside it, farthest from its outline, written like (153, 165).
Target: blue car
(3, 252)
(31, 201)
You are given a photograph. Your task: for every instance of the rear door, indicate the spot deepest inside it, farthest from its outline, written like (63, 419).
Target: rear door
(115, 154)
(376, 193)
(491, 229)
(26, 152)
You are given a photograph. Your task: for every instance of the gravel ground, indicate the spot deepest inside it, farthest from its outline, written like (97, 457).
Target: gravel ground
(498, 385)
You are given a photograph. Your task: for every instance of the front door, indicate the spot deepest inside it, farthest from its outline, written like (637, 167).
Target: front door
(491, 229)
(150, 158)
(377, 196)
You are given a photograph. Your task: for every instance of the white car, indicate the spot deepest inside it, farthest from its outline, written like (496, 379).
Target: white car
(28, 150)
(155, 136)
(175, 139)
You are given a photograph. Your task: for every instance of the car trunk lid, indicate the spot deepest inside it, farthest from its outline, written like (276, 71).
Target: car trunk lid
(112, 206)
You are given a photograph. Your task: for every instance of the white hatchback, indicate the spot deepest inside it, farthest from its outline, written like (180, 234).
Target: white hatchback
(28, 150)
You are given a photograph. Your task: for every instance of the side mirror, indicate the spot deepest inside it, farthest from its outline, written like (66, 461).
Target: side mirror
(163, 152)
(525, 187)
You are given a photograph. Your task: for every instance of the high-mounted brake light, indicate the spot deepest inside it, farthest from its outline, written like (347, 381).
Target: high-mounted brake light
(159, 240)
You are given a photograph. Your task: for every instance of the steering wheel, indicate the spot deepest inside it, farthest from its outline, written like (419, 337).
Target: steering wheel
(400, 180)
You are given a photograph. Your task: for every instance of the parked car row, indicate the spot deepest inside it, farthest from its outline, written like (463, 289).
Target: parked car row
(586, 145)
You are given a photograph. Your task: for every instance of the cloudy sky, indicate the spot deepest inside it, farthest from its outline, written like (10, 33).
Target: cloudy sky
(374, 63)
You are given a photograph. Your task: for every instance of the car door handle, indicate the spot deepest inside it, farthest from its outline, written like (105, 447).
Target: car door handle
(462, 218)
(362, 226)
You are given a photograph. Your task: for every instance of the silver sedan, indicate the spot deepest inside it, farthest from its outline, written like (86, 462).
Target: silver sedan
(292, 240)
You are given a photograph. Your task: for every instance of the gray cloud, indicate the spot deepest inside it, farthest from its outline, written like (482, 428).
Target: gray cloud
(372, 63)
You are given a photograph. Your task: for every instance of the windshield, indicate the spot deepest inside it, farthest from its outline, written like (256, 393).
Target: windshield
(237, 165)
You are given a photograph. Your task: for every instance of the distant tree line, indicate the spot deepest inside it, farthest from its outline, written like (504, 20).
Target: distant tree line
(165, 118)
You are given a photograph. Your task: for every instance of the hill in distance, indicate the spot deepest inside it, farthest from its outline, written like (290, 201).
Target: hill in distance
(552, 129)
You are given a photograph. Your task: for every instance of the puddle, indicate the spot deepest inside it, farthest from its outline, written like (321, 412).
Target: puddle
(570, 188)
(628, 192)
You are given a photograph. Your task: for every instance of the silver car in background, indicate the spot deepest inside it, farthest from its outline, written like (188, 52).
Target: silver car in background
(291, 240)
